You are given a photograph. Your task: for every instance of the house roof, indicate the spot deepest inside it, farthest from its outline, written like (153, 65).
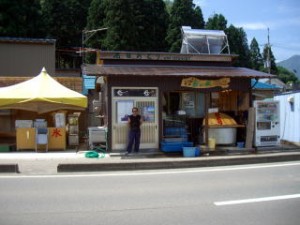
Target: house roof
(163, 71)
(274, 81)
(27, 40)
(264, 86)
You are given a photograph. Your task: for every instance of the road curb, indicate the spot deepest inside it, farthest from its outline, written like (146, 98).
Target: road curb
(9, 168)
(179, 163)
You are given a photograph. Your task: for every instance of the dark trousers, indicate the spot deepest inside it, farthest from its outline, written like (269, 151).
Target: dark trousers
(134, 137)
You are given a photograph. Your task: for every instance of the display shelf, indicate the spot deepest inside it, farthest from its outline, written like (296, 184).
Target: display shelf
(73, 133)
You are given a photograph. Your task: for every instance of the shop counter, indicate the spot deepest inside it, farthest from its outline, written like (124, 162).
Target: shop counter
(26, 138)
(57, 138)
(222, 128)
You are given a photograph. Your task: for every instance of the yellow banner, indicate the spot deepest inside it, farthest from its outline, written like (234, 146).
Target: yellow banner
(197, 83)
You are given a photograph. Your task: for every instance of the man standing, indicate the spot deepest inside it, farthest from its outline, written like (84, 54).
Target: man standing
(134, 121)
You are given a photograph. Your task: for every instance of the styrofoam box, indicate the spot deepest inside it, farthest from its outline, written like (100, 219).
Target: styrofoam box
(223, 136)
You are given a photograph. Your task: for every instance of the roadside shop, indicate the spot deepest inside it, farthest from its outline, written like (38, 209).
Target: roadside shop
(182, 97)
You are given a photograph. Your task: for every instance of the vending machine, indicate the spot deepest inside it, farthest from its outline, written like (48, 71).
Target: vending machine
(267, 124)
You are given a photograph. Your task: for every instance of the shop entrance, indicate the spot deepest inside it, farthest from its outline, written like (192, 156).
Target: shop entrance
(183, 114)
(146, 100)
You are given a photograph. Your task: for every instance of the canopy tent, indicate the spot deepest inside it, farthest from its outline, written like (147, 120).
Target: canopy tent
(41, 94)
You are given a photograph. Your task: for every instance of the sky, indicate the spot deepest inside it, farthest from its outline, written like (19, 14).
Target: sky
(282, 17)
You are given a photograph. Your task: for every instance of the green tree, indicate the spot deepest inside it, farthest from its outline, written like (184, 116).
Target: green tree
(120, 20)
(155, 26)
(65, 20)
(169, 4)
(287, 76)
(95, 20)
(135, 25)
(183, 13)
(21, 18)
(216, 22)
(256, 61)
(238, 44)
(269, 59)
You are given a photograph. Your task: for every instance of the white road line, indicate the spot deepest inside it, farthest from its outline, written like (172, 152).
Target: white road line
(254, 200)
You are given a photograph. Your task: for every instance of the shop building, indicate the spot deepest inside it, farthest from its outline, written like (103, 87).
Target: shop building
(174, 93)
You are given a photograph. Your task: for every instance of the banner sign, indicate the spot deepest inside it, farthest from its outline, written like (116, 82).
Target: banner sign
(193, 82)
(135, 92)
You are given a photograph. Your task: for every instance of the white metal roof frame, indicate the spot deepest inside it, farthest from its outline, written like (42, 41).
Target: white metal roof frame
(204, 41)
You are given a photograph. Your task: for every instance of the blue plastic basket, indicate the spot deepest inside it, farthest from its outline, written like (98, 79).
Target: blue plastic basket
(171, 146)
(187, 144)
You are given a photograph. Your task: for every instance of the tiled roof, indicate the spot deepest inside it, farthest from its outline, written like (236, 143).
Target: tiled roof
(184, 71)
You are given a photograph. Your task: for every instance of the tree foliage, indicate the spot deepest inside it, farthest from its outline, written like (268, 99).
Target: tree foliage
(216, 22)
(238, 43)
(21, 18)
(133, 25)
(155, 26)
(120, 21)
(256, 61)
(169, 4)
(183, 13)
(287, 76)
(65, 20)
(95, 20)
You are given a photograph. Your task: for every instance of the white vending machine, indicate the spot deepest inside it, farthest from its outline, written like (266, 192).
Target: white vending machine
(267, 124)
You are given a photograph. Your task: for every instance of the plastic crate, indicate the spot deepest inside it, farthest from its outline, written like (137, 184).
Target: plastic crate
(175, 131)
(171, 146)
(168, 140)
(187, 144)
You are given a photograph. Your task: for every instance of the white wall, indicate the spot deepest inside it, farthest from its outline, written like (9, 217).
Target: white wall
(289, 117)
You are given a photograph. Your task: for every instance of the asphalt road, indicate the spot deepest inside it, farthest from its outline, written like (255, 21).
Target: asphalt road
(266, 194)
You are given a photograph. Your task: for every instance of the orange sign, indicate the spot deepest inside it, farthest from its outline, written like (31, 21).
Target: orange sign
(197, 83)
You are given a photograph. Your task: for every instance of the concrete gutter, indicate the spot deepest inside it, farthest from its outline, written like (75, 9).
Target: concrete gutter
(9, 168)
(172, 163)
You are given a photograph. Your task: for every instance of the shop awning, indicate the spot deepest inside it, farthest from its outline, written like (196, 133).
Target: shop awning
(183, 71)
(41, 94)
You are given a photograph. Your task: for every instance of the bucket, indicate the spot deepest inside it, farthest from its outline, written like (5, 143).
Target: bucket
(240, 144)
(211, 143)
(189, 151)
